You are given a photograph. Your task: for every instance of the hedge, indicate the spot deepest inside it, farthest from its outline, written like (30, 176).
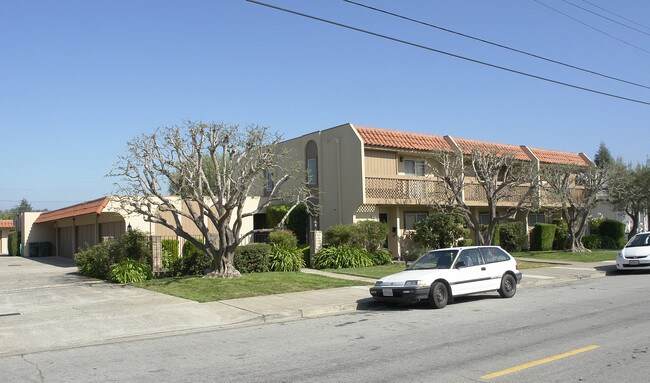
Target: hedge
(614, 230)
(541, 238)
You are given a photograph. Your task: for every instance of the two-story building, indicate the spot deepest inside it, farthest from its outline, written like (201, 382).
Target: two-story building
(361, 173)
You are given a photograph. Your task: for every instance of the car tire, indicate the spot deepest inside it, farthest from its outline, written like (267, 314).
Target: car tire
(438, 295)
(508, 286)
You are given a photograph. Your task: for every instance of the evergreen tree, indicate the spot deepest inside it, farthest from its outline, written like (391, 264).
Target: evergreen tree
(603, 157)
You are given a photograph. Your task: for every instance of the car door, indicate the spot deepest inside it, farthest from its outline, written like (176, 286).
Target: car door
(495, 266)
(471, 274)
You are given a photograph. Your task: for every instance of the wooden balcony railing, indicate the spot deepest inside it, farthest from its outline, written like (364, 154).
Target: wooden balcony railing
(402, 190)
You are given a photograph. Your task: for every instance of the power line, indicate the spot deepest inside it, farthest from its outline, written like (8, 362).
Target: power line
(617, 15)
(605, 17)
(496, 44)
(589, 26)
(447, 53)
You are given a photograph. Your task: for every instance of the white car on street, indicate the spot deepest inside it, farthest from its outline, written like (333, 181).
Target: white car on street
(636, 253)
(440, 275)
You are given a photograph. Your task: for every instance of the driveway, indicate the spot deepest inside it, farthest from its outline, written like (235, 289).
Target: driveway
(46, 305)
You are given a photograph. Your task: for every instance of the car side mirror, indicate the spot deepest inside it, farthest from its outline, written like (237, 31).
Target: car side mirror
(460, 264)
(408, 264)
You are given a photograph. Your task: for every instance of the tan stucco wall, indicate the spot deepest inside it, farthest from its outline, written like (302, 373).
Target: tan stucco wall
(340, 172)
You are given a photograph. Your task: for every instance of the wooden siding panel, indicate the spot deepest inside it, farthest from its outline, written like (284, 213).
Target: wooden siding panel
(380, 163)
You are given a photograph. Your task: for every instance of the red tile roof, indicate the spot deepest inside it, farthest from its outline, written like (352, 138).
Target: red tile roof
(555, 157)
(419, 141)
(6, 224)
(89, 207)
(468, 146)
(401, 140)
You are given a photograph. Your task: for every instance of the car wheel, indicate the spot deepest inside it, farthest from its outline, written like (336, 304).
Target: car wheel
(508, 286)
(438, 295)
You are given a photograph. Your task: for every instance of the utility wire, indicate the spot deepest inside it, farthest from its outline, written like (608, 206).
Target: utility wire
(446, 53)
(496, 44)
(589, 26)
(617, 15)
(605, 17)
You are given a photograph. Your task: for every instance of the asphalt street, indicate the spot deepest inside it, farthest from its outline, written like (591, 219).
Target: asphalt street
(590, 330)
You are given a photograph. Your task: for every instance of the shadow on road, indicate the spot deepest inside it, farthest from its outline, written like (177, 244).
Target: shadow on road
(369, 304)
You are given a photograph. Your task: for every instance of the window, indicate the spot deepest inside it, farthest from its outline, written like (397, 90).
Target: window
(410, 219)
(484, 218)
(494, 254)
(414, 167)
(312, 172)
(535, 218)
(268, 177)
(471, 257)
(311, 162)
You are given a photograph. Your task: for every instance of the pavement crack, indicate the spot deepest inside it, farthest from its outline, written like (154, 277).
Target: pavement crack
(40, 373)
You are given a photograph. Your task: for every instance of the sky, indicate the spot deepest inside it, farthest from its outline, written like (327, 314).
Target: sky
(79, 79)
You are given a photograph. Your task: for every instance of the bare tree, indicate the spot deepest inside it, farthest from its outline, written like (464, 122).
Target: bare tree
(577, 189)
(238, 162)
(506, 183)
(628, 190)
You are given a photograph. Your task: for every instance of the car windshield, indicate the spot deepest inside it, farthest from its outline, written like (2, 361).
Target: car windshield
(639, 240)
(441, 259)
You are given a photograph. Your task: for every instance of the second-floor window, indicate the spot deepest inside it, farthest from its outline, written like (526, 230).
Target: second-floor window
(414, 167)
(312, 172)
(268, 177)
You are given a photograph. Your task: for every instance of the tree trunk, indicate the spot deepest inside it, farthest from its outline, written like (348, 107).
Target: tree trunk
(224, 267)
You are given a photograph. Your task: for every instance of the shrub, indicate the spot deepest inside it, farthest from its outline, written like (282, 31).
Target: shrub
(439, 231)
(513, 236)
(371, 235)
(465, 242)
(336, 257)
(541, 237)
(298, 222)
(594, 225)
(195, 261)
(381, 257)
(592, 241)
(561, 239)
(170, 245)
(341, 234)
(134, 244)
(615, 230)
(274, 214)
(286, 259)
(12, 241)
(609, 243)
(96, 261)
(129, 270)
(283, 238)
(253, 258)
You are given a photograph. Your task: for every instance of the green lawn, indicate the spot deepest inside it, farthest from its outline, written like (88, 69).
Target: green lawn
(375, 272)
(523, 265)
(594, 256)
(249, 285)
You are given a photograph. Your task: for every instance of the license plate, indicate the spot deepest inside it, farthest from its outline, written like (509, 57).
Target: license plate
(634, 263)
(387, 292)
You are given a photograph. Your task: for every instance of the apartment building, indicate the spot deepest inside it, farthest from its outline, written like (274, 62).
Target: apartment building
(361, 173)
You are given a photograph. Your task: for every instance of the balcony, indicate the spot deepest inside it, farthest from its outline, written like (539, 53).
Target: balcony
(403, 190)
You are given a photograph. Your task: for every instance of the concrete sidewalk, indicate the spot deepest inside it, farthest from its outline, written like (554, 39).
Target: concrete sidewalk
(45, 305)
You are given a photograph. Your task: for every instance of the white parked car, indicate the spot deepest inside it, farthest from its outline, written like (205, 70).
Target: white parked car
(636, 253)
(440, 275)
